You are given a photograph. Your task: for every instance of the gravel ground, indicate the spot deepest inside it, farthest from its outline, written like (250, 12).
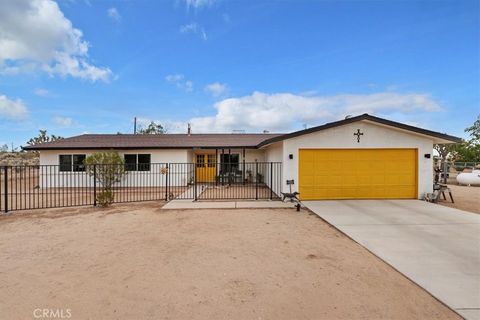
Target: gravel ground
(137, 261)
(466, 198)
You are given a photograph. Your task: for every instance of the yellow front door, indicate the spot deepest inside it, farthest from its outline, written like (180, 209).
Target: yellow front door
(206, 167)
(357, 174)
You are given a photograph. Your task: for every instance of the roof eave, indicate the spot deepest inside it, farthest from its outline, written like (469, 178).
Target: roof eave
(445, 138)
(39, 148)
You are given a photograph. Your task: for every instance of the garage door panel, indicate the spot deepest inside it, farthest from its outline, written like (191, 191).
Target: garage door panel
(364, 180)
(406, 179)
(350, 180)
(333, 192)
(309, 180)
(321, 166)
(377, 179)
(357, 173)
(365, 193)
(391, 180)
(321, 180)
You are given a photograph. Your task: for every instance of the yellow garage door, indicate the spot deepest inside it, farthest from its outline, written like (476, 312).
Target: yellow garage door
(357, 174)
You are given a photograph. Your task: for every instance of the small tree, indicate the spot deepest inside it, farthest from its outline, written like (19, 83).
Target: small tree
(152, 128)
(108, 168)
(474, 131)
(43, 137)
(467, 150)
(472, 152)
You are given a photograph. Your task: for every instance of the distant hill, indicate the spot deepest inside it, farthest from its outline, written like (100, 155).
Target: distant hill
(18, 158)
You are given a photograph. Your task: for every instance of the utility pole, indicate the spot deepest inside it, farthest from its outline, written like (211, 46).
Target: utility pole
(135, 125)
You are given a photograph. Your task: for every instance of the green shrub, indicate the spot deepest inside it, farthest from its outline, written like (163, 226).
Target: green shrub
(105, 198)
(108, 168)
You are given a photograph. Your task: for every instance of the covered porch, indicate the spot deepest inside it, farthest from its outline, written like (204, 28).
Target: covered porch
(228, 165)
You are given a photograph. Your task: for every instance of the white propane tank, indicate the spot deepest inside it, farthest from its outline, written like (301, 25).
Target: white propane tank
(469, 178)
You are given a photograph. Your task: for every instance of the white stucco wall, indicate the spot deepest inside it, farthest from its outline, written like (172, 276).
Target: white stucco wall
(374, 136)
(50, 157)
(181, 168)
(179, 174)
(274, 153)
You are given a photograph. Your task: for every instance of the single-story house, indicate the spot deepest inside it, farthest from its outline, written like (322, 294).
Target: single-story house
(362, 157)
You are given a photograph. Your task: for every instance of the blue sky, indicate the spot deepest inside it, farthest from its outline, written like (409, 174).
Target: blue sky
(90, 66)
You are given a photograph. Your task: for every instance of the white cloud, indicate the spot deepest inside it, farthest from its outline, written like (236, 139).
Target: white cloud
(174, 77)
(194, 28)
(188, 86)
(216, 89)
(189, 28)
(281, 112)
(114, 14)
(35, 35)
(196, 4)
(63, 121)
(41, 92)
(12, 109)
(180, 81)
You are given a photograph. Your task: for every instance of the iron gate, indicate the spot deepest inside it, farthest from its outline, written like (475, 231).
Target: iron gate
(54, 186)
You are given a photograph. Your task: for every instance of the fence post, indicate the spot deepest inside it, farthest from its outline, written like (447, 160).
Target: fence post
(166, 181)
(195, 182)
(6, 188)
(445, 171)
(95, 185)
(271, 180)
(256, 180)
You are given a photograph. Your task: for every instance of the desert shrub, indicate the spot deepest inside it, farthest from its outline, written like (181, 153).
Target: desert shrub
(105, 198)
(108, 168)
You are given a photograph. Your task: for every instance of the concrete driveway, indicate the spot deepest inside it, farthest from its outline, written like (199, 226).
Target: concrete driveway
(435, 246)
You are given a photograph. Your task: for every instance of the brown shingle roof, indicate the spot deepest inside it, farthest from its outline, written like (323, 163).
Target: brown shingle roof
(220, 140)
(159, 141)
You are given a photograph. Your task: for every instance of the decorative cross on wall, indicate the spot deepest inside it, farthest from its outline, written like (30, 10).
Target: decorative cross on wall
(358, 134)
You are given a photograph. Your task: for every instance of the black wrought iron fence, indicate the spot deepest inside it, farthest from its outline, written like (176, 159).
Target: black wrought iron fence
(54, 186)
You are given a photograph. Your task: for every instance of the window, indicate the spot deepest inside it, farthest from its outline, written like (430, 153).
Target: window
(137, 162)
(130, 162)
(143, 162)
(78, 162)
(69, 162)
(229, 162)
(211, 161)
(200, 163)
(65, 161)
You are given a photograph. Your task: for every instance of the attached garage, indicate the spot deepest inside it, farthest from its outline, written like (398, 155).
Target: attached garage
(363, 157)
(357, 174)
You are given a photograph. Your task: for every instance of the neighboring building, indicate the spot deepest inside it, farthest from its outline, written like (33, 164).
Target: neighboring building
(363, 157)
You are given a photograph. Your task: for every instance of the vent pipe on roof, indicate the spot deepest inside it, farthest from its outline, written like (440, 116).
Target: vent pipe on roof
(189, 129)
(135, 125)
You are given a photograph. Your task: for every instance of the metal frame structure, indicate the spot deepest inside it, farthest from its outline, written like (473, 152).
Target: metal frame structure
(45, 186)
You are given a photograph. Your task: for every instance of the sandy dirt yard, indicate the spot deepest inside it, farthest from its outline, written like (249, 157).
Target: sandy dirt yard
(466, 198)
(140, 262)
